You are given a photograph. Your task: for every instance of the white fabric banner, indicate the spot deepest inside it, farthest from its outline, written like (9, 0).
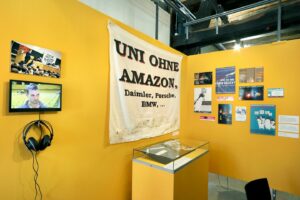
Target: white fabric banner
(144, 88)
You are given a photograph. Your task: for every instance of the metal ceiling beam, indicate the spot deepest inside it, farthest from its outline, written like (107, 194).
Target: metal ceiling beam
(191, 3)
(161, 4)
(220, 46)
(288, 33)
(179, 11)
(279, 21)
(185, 10)
(266, 23)
(226, 13)
(156, 19)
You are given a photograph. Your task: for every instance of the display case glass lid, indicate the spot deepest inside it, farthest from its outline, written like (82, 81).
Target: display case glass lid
(167, 151)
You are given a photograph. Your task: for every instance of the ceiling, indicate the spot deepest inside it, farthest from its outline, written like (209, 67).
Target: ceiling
(247, 27)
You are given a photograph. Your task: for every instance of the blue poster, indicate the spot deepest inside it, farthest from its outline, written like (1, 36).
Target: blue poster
(225, 80)
(263, 119)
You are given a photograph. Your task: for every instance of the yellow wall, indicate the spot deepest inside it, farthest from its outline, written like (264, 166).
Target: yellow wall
(80, 164)
(234, 151)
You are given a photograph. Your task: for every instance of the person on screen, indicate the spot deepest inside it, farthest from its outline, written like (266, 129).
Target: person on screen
(33, 95)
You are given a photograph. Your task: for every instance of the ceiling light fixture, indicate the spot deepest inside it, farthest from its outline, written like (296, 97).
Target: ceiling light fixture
(237, 46)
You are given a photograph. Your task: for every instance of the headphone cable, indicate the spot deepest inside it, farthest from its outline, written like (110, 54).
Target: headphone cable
(37, 175)
(36, 171)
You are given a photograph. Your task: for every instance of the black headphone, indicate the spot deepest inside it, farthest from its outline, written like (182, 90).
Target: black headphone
(45, 139)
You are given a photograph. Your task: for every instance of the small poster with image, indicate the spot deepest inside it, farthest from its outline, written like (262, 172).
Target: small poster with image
(202, 100)
(225, 114)
(240, 113)
(225, 80)
(263, 119)
(204, 78)
(251, 75)
(251, 93)
(34, 60)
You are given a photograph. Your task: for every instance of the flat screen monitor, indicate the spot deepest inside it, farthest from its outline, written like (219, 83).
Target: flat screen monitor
(28, 96)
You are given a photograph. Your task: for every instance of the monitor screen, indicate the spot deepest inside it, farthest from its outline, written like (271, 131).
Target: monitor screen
(27, 96)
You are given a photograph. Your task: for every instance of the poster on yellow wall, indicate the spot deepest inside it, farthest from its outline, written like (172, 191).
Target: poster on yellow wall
(225, 114)
(240, 113)
(203, 78)
(263, 119)
(251, 93)
(34, 60)
(225, 80)
(144, 88)
(202, 100)
(251, 75)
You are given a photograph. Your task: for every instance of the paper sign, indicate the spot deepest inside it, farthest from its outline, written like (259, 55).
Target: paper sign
(288, 119)
(161, 152)
(290, 135)
(208, 118)
(225, 98)
(288, 128)
(275, 92)
(178, 163)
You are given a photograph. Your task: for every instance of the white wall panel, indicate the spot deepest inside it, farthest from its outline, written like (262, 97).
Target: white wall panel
(139, 14)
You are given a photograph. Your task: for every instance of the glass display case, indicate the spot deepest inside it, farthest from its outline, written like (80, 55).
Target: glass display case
(170, 154)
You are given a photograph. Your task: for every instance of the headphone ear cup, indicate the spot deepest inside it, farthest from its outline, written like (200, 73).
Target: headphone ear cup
(45, 142)
(32, 144)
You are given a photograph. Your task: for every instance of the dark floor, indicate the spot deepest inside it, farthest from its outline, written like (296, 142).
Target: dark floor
(223, 188)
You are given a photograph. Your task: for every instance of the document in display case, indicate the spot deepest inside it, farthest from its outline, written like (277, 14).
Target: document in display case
(172, 169)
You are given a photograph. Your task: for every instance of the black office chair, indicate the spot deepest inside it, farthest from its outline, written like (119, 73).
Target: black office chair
(258, 190)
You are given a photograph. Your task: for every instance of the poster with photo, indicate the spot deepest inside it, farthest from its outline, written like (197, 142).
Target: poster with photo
(202, 100)
(33, 60)
(251, 75)
(240, 113)
(225, 80)
(225, 114)
(204, 78)
(263, 119)
(251, 93)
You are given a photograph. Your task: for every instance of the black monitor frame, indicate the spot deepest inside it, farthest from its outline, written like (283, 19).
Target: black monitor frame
(33, 109)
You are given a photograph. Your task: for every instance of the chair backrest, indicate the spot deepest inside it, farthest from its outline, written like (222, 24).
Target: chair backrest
(258, 190)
